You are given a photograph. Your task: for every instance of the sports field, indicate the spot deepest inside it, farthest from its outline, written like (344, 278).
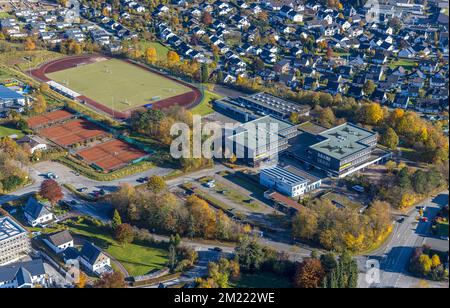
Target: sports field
(118, 85)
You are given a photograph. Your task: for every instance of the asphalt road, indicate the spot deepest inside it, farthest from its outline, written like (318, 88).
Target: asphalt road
(67, 176)
(394, 257)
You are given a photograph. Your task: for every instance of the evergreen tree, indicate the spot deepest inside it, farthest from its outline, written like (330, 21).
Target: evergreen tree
(117, 220)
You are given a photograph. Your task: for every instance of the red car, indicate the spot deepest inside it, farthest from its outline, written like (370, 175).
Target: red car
(424, 219)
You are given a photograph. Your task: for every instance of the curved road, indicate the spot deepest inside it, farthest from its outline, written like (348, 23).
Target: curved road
(394, 256)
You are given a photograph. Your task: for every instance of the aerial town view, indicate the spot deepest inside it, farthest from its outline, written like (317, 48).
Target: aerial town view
(260, 145)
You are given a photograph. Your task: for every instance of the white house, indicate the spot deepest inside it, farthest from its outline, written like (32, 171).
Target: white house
(36, 143)
(94, 259)
(36, 213)
(23, 275)
(60, 241)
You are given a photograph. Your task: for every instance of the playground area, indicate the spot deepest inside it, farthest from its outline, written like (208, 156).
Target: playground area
(115, 86)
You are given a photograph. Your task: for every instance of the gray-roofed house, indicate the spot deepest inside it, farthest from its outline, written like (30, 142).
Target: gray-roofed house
(94, 259)
(36, 213)
(23, 275)
(60, 241)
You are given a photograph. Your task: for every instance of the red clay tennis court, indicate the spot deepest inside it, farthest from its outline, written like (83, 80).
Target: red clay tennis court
(111, 155)
(49, 118)
(73, 132)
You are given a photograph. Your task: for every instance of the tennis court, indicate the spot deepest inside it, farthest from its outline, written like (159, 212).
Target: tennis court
(73, 132)
(111, 155)
(49, 118)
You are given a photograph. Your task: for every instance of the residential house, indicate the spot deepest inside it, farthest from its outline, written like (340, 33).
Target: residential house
(23, 275)
(60, 241)
(94, 259)
(36, 213)
(35, 143)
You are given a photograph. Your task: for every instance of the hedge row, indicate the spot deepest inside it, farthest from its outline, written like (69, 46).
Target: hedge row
(155, 280)
(105, 177)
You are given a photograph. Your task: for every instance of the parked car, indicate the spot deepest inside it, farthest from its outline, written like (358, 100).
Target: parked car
(83, 189)
(51, 176)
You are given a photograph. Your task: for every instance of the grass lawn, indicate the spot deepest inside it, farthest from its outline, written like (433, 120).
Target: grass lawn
(233, 195)
(161, 50)
(4, 15)
(263, 280)
(205, 108)
(137, 259)
(6, 132)
(409, 154)
(118, 85)
(344, 200)
(442, 229)
(406, 63)
(24, 60)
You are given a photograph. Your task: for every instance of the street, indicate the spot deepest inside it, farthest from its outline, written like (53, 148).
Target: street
(394, 257)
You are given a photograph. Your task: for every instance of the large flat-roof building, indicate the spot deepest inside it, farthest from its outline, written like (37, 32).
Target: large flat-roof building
(10, 99)
(260, 140)
(251, 107)
(289, 181)
(339, 151)
(14, 241)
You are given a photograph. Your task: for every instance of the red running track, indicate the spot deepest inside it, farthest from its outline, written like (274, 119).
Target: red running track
(187, 100)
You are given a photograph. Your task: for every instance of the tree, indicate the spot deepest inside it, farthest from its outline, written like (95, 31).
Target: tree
(305, 224)
(294, 118)
(233, 159)
(205, 72)
(114, 280)
(371, 114)
(436, 261)
(369, 87)
(29, 44)
(51, 191)
(425, 264)
(390, 138)
(309, 274)
(151, 55)
(250, 254)
(156, 184)
(117, 220)
(391, 166)
(207, 19)
(330, 53)
(325, 116)
(124, 234)
(172, 57)
(82, 281)
(40, 104)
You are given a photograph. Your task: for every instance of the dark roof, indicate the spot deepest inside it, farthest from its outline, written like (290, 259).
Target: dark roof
(71, 253)
(35, 209)
(60, 238)
(90, 253)
(22, 272)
